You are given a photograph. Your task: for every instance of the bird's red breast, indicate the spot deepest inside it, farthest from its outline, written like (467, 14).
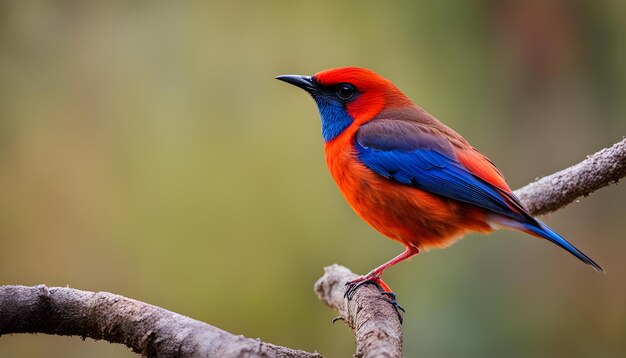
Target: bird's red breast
(405, 214)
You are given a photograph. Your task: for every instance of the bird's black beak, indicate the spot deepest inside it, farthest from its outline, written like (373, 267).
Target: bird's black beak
(304, 82)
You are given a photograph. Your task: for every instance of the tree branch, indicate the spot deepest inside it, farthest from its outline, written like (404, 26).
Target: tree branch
(377, 328)
(156, 332)
(146, 329)
(554, 191)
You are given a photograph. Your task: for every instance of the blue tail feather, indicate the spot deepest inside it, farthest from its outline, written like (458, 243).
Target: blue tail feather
(545, 232)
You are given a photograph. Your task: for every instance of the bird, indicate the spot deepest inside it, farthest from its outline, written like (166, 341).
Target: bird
(408, 175)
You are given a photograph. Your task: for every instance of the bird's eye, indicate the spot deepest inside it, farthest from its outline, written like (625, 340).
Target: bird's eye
(345, 91)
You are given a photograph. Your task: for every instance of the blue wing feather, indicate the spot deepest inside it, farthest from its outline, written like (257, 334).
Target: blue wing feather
(432, 171)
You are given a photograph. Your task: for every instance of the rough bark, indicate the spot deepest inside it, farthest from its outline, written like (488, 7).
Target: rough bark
(376, 326)
(554, 191)
(146, 329)
(156, 332)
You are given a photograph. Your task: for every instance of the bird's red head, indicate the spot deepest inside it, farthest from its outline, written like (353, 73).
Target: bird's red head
(348, 96)
(374, 92)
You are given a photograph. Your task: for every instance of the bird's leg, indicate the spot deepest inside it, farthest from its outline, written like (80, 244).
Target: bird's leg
(373, 277)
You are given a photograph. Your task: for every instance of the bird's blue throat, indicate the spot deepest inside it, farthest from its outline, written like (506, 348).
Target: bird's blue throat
(335, 118)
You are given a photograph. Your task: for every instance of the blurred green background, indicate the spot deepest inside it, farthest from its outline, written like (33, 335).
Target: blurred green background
(146, 150)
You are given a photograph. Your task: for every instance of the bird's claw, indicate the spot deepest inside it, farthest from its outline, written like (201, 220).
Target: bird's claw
(355, 284)
(394, 303)
(376, 281)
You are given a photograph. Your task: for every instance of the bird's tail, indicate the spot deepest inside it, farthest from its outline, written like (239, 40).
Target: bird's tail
(543, 231)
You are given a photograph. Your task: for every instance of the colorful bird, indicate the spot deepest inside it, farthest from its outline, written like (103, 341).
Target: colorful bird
(408, 175)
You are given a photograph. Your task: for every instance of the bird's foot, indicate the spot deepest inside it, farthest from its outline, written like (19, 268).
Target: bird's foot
(394, 303)
(384, 289)
(353, 285)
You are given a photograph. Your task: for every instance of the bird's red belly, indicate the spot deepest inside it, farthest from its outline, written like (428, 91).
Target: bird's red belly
(402, 213)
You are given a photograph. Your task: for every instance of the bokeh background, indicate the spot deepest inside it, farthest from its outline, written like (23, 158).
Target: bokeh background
(146, 150)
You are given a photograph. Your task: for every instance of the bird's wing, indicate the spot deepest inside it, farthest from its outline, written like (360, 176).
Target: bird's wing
(423, 156)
